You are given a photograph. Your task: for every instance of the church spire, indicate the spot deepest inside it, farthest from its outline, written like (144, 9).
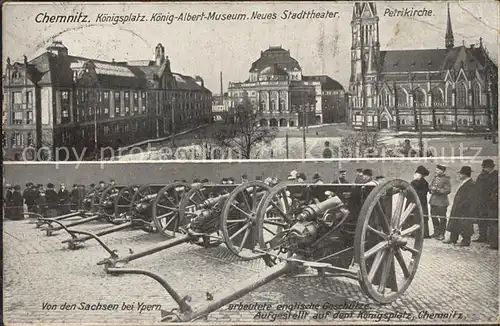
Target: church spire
(449, 41)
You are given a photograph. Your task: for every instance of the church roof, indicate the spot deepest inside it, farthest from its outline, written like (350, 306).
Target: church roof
(327, 83)
(275, 55)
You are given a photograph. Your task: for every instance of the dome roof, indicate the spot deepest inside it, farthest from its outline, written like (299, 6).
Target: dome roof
(275, 55)
(273, 70)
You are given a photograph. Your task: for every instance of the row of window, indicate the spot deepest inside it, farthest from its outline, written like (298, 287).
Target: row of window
(18, 139)
(18, 98)
(22, 117)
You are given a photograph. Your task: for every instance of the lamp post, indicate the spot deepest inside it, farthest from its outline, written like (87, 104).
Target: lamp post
(172, 117)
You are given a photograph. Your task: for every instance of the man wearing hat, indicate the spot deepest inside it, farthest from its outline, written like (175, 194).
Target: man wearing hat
(367, 176)
(30, 197)
(301, 177)
(293, 175)
(64, 199)
(317, 179)
(40, 203)
(359, 176)
(16, 213)
(51, 201)
(421, 187)
(244, 178)
(463, 206)
(487, 204)
(74, 197)
(342, 177)
(440, 188)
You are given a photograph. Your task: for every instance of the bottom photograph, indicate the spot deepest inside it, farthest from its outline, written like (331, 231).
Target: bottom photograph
(364, 241)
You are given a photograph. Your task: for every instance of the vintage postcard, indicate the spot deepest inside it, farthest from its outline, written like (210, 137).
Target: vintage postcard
(250, 163)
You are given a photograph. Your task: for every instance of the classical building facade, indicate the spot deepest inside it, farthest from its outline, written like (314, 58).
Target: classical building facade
(454, 88)
(283, 96)
(60, 100)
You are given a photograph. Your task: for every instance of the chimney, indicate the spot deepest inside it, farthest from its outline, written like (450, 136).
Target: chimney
(199, 81)
(221, 85)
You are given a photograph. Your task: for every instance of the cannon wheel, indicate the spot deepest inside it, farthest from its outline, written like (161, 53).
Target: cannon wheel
(387, 257)
(275, 215)
(142, 192)
(123, 201)
(108, 213)
(166, 215)
(239, 219)
(193, 198)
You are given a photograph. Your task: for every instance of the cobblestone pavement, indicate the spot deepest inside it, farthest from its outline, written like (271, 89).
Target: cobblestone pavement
(41, 275)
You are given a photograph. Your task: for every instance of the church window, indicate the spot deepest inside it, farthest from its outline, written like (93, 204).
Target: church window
(476, 94)
(449, 96)
(437, 97)
(401, 97)
(461, 94)
(419, 98)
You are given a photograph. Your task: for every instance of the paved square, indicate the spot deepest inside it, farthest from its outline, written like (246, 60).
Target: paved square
(42, 279)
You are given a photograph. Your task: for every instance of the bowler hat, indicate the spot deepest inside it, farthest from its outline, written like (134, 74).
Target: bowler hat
(17, 187)
(441, 167)
(102, 182)
(466, 170)
(316, 176)
(50, 185)
(359, 170)
(368, 172)
(422, 170)
(488, 163)
(342, 171)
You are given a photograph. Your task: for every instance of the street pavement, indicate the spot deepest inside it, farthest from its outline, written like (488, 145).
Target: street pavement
(42, 279)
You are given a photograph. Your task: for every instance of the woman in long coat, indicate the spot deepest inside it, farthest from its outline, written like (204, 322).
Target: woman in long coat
(421, 186)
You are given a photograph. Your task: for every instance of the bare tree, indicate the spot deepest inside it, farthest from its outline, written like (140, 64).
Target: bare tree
(244, 132)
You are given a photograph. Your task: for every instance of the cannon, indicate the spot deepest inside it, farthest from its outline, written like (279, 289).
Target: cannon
(208, 215)
(96, 205)
(370, 233)
(132, 208)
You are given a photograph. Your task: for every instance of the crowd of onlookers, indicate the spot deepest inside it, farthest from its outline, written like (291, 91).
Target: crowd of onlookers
(474, 202)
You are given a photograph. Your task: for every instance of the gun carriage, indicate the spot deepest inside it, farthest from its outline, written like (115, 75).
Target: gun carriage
(208, 215)
(133, 208)
(370, 233)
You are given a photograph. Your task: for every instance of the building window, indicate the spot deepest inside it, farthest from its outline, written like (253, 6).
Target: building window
(476, 94)
(65, 96)
(262, 106)
(29, 117)
(17, 118)
(65, 113)
(144, 101)
(273, 106)
(461, 94)
(419, 98)
(449, 95)
(401, 97)
(30, 139)
(437, 97)
(17, 139)
(106, 111)
(126, 127)
(29, 98)
(106, 129)
(117, 128)
(17, 98)
(105, 95)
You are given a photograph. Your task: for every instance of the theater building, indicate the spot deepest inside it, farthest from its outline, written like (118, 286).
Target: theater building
(453, 88)
(61, 100)
(283, 96)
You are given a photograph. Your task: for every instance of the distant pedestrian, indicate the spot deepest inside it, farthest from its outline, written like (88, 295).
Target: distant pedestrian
(463, 206)
(74, 197)
(487, 204)
(327, 151)
(16, 213)
(367, 176)
(41, 202)
(421, 186)
(440, 188)
(30, 198)
(244, 178)
(301, 177)
(64, 200)
(293, 175)
(359, 176)
(51, 201)
(342, 178)
(317, 179)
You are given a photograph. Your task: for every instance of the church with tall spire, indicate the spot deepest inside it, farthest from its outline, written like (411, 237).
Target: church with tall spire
(453, 88)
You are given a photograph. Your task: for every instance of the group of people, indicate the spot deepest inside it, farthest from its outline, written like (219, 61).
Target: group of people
(45, 200)
(475, 202)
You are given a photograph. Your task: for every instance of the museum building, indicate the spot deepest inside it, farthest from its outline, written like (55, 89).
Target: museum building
(454, 88)
(60, 100)
(282, 96)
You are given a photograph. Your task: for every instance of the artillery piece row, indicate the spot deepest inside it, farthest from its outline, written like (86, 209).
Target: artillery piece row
(370, 233)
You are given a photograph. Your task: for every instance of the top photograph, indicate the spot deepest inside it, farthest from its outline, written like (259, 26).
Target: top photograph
(249, 81)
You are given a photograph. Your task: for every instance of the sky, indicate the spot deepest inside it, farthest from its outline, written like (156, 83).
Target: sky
(205, 48)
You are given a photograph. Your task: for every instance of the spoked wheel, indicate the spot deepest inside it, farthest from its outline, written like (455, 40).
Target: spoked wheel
(389, 239)
(195, 198)
(143, 192)
(106, 202)
(166, 208)
(276, 215)
(123, 201)
(239, 219)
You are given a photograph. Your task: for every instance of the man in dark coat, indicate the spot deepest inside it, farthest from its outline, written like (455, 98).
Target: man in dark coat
(342, 177)
(41, 207)
(74, 197)
(487, 204)
(30, 198)
(81, 196)
(367, 176)
(51, 201)
(359, 176)
(463, 206)
(440, 188)
(421, 186)
(327, 152)
(64, 200)
(317, 179)
(16, 213)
